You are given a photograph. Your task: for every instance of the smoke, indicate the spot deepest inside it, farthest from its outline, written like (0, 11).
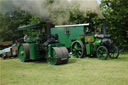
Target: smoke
(34, 7)
(88, 5)
(59, 9)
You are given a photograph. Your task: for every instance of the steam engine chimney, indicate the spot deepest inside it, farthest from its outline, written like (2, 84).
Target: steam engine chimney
(104, 27)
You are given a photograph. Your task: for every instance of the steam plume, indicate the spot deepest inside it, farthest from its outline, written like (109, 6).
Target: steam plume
(59, 8)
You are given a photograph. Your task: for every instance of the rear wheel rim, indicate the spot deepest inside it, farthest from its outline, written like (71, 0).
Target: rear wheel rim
(102, 53)
(77, 49)
(114, 52)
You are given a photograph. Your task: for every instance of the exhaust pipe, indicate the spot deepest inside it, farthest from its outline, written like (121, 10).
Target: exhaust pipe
(104, 27)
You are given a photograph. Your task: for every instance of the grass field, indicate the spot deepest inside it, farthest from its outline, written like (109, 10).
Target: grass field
(88, 71)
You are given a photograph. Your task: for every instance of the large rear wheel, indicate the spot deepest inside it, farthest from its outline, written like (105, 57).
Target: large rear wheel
(23, 52)
(59, 55)
(102, 53)
(78, 49)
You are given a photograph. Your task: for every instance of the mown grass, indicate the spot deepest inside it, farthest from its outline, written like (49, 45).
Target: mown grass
(88, 71)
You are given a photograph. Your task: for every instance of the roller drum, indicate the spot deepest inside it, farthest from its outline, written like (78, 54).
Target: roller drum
(24, 52)
(59, 56)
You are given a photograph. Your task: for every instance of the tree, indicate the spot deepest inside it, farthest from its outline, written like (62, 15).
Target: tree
(116, 14)
(78, 17)
(9, 24)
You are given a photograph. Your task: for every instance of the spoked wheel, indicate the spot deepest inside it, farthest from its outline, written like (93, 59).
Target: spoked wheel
(23, 52)
(102, 53)
(59, 55)
(114, 52)
(77, 49)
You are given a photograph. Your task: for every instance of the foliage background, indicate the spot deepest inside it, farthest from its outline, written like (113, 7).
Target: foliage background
(114, 11)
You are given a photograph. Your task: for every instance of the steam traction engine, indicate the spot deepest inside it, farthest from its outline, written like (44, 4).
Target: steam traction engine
(41, 44)
(92, 44)
(82, 42)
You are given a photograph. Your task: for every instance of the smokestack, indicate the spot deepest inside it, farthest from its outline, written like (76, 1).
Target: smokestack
(104, 27)
(49, 25)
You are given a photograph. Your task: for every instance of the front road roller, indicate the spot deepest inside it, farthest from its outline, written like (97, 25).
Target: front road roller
(24, 52)
(58, 55)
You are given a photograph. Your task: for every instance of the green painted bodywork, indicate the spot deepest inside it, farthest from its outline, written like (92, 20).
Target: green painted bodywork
(91, 43)
(35, 53)
(30, 39)
(52, 53)
(89, 39)
(88, 49)
(39, 45)
(67, 35)
(97, 42)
